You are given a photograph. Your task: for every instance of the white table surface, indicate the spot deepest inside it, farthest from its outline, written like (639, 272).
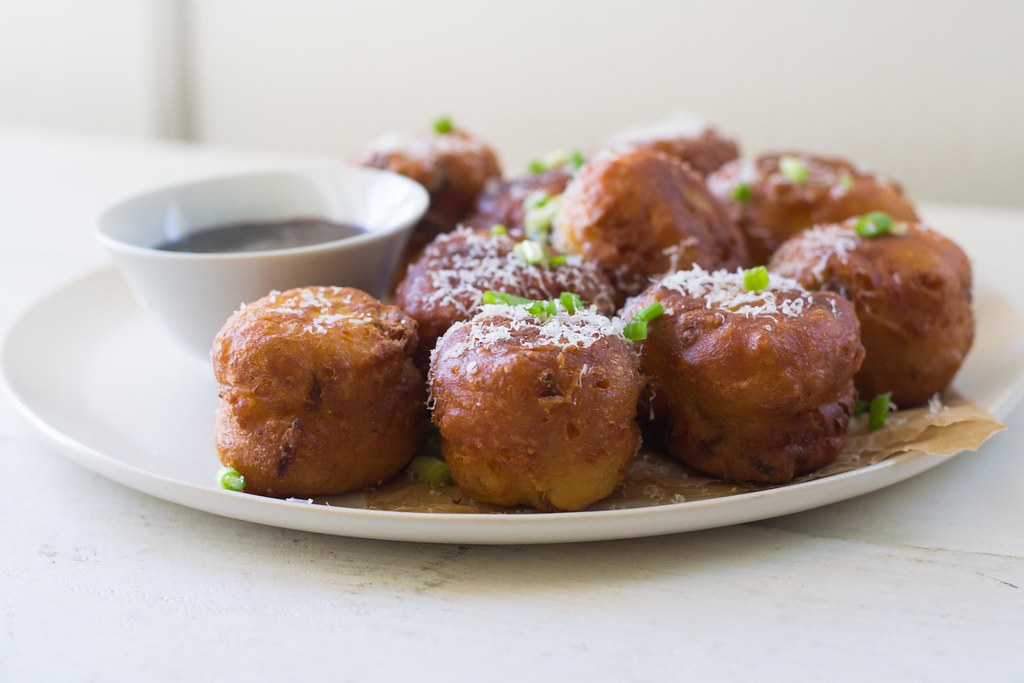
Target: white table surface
(919, 581)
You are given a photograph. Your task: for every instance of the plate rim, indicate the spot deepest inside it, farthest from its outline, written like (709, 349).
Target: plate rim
(455, 527)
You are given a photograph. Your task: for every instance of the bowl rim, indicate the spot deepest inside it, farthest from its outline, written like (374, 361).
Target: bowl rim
(421, 199)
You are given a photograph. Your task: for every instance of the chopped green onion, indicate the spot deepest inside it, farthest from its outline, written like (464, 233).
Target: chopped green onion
(443, 125)
(557, 158)
(537, 199)
(431, 470)
(229, 478)
(878, 411)
(755, 279)
(540, 211)
(543, 309)
(635, 331)
(794, 169)
(571, 301)
(649, 312)
(846, 181)
(860, 407)
(532, 253)
(576, 160)
(741, 193)
(536, 166)
(873, 224)
(492, 297)
(558, 260)
(499, 229)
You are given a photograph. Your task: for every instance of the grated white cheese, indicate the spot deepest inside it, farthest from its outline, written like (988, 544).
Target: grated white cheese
(497, 322)
(935, 405)
(826, 241)
(313, 304)
(724, 291)
(483, 261)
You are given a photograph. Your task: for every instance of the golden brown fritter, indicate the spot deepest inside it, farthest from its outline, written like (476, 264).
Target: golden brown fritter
(771, 204)
(535, 412)
(639, 214)
(912, 294)
(503, 201)
(749, 386)
(446, 283)
(703, 148)
(319, 394)
(453, 167)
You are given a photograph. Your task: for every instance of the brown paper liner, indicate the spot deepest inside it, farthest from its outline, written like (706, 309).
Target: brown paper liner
(654, 478)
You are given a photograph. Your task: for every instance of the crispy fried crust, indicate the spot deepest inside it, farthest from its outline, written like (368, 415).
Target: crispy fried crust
(319, 394)
(453, 167)
(551, 427)
(704, 152)
(445, 284)
(750, 398)
(912, 294)
(778, 208)
(639, 214)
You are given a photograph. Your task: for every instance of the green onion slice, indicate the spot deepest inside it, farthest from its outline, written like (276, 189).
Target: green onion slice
(539, 215)
(558, 260)
(499, 229)
(741, 193)
(571, 301)
(576, 160)
(860, 407)
(536, 166)
(874, 224)
(431, 470)
(443, 125)
(794, 169)
(649, 312)
(543, 309)
(878, 411)
(532, 253)
(556, 158)
(537, 199)
(635, 331)
(231, 479)
(755, 279)
(493, 297)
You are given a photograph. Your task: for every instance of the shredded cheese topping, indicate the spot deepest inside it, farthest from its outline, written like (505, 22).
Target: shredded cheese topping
(723, 291)
(499, 322)
(305, 302)
(483, 261)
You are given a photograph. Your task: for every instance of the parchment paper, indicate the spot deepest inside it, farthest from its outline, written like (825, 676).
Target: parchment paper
(655, 478)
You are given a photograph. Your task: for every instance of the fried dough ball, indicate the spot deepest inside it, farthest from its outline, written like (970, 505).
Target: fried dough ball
(446, 283)
(503, 202)
(772, 200)
(912, 294)
(639, 214)
(453, 167)
(319, 394)
(539, 412)
(691, 141)
(749, 386)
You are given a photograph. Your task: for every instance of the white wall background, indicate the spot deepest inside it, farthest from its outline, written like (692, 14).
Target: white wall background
(930, 92)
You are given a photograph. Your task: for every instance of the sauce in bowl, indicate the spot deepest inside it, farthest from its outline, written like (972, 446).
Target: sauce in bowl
(262, 236)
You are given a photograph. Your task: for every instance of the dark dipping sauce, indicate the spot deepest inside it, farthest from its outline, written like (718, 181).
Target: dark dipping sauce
(242, 237)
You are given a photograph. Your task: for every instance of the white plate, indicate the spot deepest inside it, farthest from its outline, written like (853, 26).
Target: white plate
(96, 376)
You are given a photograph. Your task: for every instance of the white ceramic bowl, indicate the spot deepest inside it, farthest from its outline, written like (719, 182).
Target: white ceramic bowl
(194, 293)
